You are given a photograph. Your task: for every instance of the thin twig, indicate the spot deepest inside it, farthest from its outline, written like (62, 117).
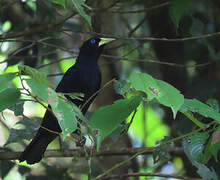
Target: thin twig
(141, 152)
(135, 11)
(120, 176)
(106, 84)
(38, 29)
(80, 152)
(143, 38)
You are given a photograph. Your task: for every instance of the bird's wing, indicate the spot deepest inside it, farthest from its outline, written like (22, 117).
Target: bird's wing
(70, 82)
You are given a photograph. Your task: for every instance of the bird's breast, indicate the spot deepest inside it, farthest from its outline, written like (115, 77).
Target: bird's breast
(90, 80)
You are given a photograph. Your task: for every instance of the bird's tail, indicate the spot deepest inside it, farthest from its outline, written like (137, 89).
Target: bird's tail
(35, 150)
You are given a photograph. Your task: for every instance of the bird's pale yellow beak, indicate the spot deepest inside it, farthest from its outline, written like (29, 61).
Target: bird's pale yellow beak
(105, 41)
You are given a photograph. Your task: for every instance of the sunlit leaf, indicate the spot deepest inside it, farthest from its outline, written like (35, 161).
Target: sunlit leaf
(43, 92)
(65, 112)
(146, 83)
(165, 93)
(65, 116)
(170, 96)
(106, 119)
(38, 76)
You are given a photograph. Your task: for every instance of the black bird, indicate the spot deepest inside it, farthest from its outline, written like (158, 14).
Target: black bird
(83, 77)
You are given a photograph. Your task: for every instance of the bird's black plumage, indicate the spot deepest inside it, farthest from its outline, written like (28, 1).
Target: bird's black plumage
(83, 77)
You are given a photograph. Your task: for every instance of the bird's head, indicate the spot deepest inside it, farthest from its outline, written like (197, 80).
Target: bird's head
(94, 46)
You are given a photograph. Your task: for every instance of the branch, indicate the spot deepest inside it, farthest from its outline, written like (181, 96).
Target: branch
(142, 152)
(156, 62)
(80, 152)
(134, 11)
(149, 174)
(155, 39)
(38, 29)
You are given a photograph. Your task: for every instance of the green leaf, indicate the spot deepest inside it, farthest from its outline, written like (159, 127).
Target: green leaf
(122, 87)
(42, 91)
(213, 103)
(106, 119)
(8, 98)
(203, 171)
(64, 111)
(65, 116)
(177, 9)
(196, 145)
(170, 96)
(146, 83)
(197, 106)
(38, 76)
(79, 7)
(5, 79)
(166, 94)
(160, 153)
(60, 2)
(213, 146)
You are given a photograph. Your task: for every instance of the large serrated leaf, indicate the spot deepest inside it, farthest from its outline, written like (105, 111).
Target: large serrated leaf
(170, 96)
(204, 171)
(106, 119)
(65, 112)
(5, 79)
(38, 76)
(166, 94)
(197, 106)
(8, 98)
(146, 83)
(43, 92)
(196, 145)
(65, 116)
(79, 5)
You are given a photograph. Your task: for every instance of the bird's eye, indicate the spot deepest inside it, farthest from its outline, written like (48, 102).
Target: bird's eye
(92, 41)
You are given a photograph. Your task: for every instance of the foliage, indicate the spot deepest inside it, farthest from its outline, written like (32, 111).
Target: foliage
(168, 85)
